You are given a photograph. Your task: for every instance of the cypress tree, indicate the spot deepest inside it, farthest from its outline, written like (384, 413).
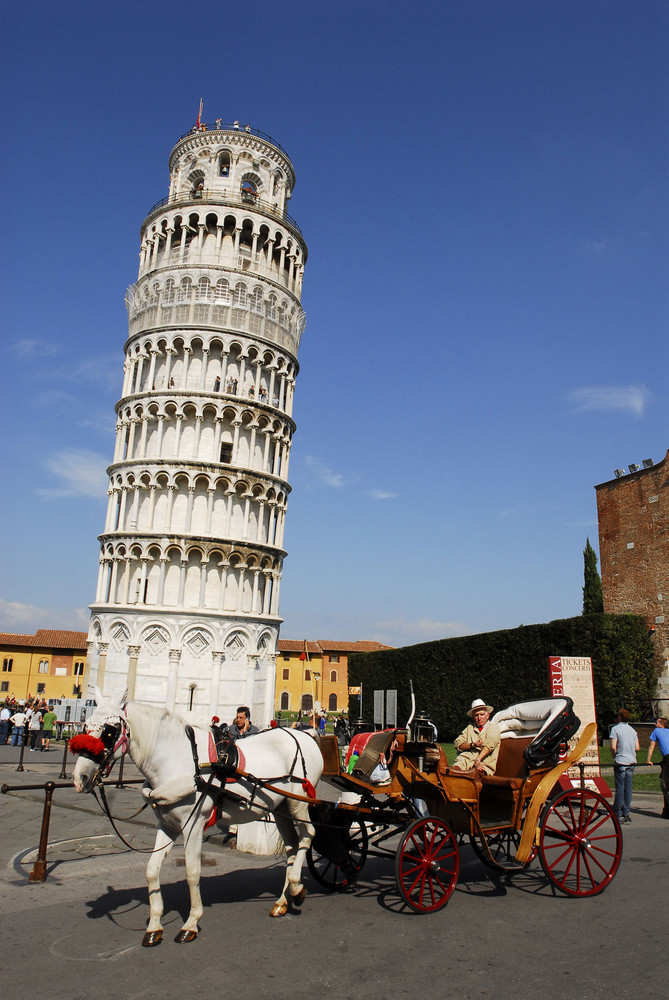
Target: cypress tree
(593, 601)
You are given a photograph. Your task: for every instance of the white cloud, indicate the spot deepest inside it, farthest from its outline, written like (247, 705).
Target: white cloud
(398, 631)
(27, 618)
(323, 473)
(595, 248)
(381, 495)
(629, 398)
(28, 349)
(82, 473)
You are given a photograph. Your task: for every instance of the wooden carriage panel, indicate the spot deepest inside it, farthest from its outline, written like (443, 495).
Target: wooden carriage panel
(330, 751)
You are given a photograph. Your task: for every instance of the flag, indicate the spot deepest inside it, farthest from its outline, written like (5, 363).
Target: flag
(199, 115)
(304, 655)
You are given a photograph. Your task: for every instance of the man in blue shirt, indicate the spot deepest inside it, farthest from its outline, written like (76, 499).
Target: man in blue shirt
(660, 735)
(624, 745)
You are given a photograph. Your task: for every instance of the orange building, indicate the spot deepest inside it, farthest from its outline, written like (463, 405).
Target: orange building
(49, 664)
(314, 673)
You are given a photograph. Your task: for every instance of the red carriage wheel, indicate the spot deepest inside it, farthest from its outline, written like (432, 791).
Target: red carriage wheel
(427, 864)
(580, 842)
(335, 869)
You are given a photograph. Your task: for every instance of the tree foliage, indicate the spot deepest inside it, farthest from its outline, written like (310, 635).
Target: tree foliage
(593, 600)
(509, 666)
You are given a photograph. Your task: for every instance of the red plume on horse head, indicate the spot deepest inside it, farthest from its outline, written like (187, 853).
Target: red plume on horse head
(92, 746)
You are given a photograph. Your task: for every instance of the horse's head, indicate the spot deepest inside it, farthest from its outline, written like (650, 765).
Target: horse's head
(103, 742)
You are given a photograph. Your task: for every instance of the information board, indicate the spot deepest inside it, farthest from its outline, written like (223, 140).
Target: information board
(572, 676)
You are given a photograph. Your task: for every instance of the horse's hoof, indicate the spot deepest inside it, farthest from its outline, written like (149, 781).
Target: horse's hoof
(299, 897)
(185, 937)
(152, 938)
(279, 910)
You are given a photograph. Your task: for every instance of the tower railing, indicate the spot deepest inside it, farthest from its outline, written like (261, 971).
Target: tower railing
(220, 126)
(212, 197)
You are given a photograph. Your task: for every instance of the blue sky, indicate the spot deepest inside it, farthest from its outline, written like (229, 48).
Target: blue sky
(483, 189)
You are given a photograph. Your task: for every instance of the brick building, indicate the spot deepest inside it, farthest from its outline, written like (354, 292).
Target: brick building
(49, 664)
(315, 673)
(633, 514)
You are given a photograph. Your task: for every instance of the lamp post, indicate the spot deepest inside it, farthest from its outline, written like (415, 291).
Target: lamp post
(316, 677)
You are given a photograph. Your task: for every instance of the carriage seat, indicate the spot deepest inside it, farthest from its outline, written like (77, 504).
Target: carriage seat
(511, 767)
(369, 747)
(524, 728)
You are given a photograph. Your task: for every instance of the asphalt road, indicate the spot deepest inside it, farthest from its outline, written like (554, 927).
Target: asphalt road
(77, 935)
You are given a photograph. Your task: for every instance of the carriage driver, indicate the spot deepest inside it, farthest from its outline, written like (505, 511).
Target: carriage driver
(478, 745)
(242, 726)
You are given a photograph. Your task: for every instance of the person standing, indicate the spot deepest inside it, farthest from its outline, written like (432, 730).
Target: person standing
(48, 722)
(5, 716)
(660, 737)
(624, 745)
(18, 720)
(35, 728)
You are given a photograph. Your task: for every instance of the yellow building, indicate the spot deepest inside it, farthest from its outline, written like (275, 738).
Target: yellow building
(314, 674)
(50, 664)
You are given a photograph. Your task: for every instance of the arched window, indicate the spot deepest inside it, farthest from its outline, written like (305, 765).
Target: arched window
(197, 183)
(333, 676)
(203, 290)
(168, 293)
(285, 701)
(43, 667)
(307, 703)
(249, 191)
(7, 665)
(222, 293)
(332, 703)
(224, 164)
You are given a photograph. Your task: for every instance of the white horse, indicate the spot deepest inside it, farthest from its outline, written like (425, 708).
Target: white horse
(158, 744)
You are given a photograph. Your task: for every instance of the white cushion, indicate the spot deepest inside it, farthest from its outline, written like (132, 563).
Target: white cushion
(528, 718)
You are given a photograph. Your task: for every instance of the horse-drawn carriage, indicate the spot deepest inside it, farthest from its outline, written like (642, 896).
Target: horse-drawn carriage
(430, 808)
(508, 817)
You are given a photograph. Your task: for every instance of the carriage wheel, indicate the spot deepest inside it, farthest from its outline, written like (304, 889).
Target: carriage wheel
(427, 864)
(333, 877)
(503, 847)
(580, 842)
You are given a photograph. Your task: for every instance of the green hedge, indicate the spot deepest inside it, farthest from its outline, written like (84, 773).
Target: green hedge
(504, 667)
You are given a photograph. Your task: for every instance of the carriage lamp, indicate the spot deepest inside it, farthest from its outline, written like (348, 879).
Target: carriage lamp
(423, 729)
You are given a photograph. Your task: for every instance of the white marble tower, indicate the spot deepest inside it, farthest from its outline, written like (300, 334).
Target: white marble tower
(186, 613)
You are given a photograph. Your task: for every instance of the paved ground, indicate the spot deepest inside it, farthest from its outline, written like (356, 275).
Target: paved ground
(77, 935)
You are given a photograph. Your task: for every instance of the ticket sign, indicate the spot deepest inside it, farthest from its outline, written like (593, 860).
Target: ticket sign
(572, 676)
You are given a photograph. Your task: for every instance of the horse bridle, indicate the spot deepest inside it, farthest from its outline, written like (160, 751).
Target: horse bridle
(113, 738)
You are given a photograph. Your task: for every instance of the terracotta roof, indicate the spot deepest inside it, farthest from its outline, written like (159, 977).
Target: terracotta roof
(359, 646)
(297, 646)
(46, 638)
(335, 646)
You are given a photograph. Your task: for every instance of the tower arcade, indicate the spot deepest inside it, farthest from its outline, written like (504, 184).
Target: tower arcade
(186, 613)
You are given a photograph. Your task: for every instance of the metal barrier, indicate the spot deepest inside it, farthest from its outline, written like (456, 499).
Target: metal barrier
(39, 872)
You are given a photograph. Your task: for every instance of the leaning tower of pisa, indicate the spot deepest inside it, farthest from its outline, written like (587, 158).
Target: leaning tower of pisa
(186, 613)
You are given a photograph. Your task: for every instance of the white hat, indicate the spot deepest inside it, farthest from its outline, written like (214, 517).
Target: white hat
(476, 704)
